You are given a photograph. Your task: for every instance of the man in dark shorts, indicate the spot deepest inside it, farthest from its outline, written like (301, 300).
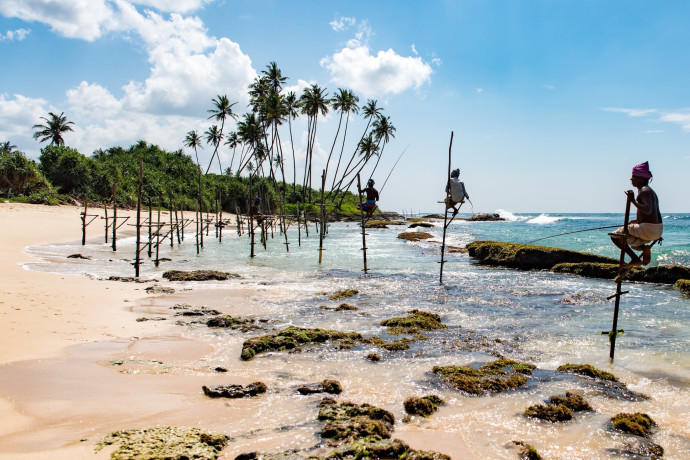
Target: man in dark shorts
(648, 226)
(369, 205)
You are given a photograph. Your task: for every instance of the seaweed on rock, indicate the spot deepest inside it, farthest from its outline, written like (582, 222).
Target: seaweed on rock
(343, 294)
(347, 421)
(638, 423)
(663, 274)
(415, 321)
(588, 370)
(198, 275)
(326, 386)
(527, 451)
(683, 286)
(415, 236)
(493, 377)
(292, 337)
(235, 391)
(423, 406)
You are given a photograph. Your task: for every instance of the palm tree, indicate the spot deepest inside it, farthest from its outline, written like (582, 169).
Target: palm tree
(274, 76)
(214, 136)
(221, 111)
(53, 128)
(383, 131)
(232, 141)
(313, 101)
(346, 102)
(291, 106)
(193, 141)
(7, 147)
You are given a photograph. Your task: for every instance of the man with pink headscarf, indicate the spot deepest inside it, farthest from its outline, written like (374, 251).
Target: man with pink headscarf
(648, 227)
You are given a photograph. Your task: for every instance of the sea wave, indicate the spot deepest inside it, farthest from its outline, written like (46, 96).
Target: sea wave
(509, 216)
(543, 219)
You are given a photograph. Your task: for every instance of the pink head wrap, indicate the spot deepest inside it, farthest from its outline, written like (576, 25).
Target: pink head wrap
(642, 170)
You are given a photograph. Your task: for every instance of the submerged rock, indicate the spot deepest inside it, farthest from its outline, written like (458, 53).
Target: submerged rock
(230, 322)
(587, 370)
(421, 224)
(415, 321)
(638, 423)
(386, 449)
(415, 236)
(524, 256)
(374, 357)
(292, 337)
(663, 274)
(78, 256)
(683, 286)
(559, 408)
(159, 290)
(527, 451)
(493, 377)
(198, 275)
(164, 442)
(345, 307)
(347, 421)
(608, 382)
(326, 386)
(423, 406)
(235, 391)
(343, 294)
(397, 345)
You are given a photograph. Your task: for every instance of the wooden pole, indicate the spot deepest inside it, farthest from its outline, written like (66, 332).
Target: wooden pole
(445, 217)
(158, 231)
(220, 220)
(150, 248)
(619, 281)
(114, 224)
(183, 223)
(251, 218)
(198, 228)
(323, 215)
(364, 225)
(83, 220)
(105, 212)
(137, 259)
(299, 227)
(177, 224)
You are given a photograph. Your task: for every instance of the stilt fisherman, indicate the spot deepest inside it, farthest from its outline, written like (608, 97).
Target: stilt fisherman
(647, 227)
(369, 205)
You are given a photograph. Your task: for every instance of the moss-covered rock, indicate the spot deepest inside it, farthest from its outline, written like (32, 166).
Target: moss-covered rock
(415, 236)
(421, 224)
(159, 290)
(549, 412)
(587, 370)
(347, 421)
(375, 357)
(343, 294)
(386, 449)
(683, 286)
(198, 275)
(415, 321)
(164, 443)
(292, 337)
(663, 274)
(345, 307)
(527, 451)
(326, 386)
(638, 423)
(397, 345)
(524, 256)
(493, 377)
(572, 401)
(235, 391)
(423, 406)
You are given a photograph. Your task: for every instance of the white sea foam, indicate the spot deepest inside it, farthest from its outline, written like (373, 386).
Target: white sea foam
(543, 219)
(509, 216)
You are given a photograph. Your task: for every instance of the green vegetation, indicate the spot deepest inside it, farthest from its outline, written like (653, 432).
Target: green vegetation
(683, 286)
(415, 321)
(638, 423)
(164, 442)
(589, 371)
(493, 377)
(423, 406)
(347, 421)
(198, 275)
(559, 408)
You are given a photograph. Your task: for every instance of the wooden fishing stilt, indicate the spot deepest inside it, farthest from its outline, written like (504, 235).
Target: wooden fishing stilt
(220, 220)
(137, 258)
(299, 226)
(364, 225)
(177, 225)
(158, 232)
(150, 248)
(198, 227)
(445, 216)
(323, 215)
(619, 280)
(251, 219)
(107, 227)
(183, 222)
(114, 224)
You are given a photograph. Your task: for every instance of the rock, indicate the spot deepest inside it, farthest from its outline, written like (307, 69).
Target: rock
(606, 381)
(128, 279)
(423, 406)
(159, 290)
(345, 307)
(527, 451)
(235, 391)
(588, 370)
(663, 274)
(415, 321)
(164, 442)
(374, 357)
(638, 423)
(493, 377)
(484, 217)
(415, 236)
(343, 294)
(398, 345)
(347, 421)
(327, 386)
(385, 449)
(549, 412)
(683, 286)
(78, 256)
(421, 224)
(572, 401)
(292, 337)
(198, 275)
(525, 256)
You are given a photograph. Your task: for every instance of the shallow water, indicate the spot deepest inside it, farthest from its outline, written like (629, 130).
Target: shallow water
(535, 316)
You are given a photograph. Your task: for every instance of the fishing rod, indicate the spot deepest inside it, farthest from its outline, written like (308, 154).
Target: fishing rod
(576, 231)
(394, 165)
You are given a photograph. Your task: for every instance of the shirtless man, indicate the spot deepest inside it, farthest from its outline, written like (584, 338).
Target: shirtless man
(648, 226)
(372, 197)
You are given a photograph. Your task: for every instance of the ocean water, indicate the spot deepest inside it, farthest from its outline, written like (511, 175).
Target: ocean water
(536, 316)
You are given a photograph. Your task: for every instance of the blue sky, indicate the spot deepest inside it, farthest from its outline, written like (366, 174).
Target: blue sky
(551, 102)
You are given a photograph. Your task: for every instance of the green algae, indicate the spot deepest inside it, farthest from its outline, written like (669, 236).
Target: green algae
(345, 307)
(559, 408)
(493, 377)
(386, 449)
(524, 256)
(415, 236)
(198, 275)
(346, 421)
(423, 406)
(230, 322)
(662, 274)
(638, 423)
(589, 371)
(527, 451)
(415, 321)
(164, 443)
(292, 337)
(397, 345)
(343, 294)
(375, 357)
(683, 286)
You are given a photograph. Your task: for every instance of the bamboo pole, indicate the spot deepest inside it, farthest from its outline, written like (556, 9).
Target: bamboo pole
(445, 217)
(105, 213)
(181, 230)
(137, 259)
(83, 220)
(619, 281)
(251, 218)
(220, 220)
(364, 234)
(158, 232)
(323, 215)
(299, 226)
(114, 224)
(177, 225)
(150, 249)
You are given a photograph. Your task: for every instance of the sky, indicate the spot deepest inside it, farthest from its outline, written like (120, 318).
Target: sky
(550, 102)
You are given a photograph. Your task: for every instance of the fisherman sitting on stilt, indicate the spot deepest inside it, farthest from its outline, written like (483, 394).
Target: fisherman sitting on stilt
(369, 205)
(648, 227)
(456, 192)
(256, 211)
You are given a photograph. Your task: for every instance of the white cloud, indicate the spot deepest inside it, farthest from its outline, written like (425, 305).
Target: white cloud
(631, 112)
(342, 23)
(414, 50)
(11, 35)
(549, 87)
(480, 90)
(653, 131)
(176, 6)
(93, 101)
(679, 118)
(17, 115)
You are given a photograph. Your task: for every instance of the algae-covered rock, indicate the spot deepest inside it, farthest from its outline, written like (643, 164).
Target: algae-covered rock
(638, 423)
(385, 449)
(663, 274)
(230, 322)
(423, 406)
(326, 386)
(415, 321)
(343, 294)
(527, 451)
(415, 236)
(493, 377)
(345, 307)
(587, 370)
(640, 448)
(164, 443)
(588, 269)
(292, 337)
(421, 224)
(526, 256)
(572, 401)
(683, 286)
(159, 290)
(347, 421)
(549, 412)
(235, 391)
(485, 217)
(375, 357)
(397, 345)
(198, 275)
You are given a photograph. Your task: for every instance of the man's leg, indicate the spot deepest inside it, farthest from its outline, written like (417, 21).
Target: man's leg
(620, 241)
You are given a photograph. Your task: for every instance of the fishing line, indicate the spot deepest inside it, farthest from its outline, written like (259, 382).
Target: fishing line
(576, 231)
(394, 165)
